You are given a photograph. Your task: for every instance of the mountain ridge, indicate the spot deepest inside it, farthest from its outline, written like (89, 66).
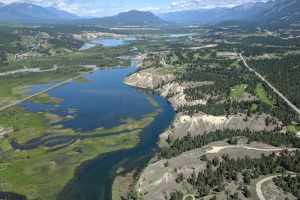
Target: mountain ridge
(26, 11)
(128, 18)
(244, 11)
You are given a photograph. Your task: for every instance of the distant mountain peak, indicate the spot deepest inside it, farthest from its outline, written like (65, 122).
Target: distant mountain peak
(132, 17)
(23, 11)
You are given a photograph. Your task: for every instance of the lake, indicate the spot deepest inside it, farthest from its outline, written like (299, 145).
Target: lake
(112, 42)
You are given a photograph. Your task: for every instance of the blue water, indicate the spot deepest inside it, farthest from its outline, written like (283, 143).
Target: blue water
(102, 102)
(112, 42)
(86, 46)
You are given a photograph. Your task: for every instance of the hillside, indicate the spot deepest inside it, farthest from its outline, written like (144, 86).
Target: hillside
(132, 17)
(241, 12)
(27, 12)
(284, 14)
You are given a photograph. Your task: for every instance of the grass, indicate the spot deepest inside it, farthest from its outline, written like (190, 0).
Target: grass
(154, 103)
(236, 65)
(7, 95)
(293, 128)
(45, 98)
(254, 107)
(249, 35)
(174, 59)
(238, 91)
(261, 93)
(26, 125)
(171, 70)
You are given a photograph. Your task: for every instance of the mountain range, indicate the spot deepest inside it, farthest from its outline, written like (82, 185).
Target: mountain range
(271, 13)
(280, 13)
(284, 14)
(245, 11)
(21, 12)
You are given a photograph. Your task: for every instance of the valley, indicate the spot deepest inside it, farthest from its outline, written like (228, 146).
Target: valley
(135, 107)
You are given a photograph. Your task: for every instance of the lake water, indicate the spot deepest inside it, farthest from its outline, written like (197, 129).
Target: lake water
(86, 46)
(102, 103)
(112, 42)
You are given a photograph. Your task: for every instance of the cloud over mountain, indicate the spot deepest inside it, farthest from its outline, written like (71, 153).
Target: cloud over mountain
(98, 8)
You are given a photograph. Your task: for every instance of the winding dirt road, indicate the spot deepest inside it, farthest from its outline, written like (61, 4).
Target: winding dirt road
(259, 184)
(271, 86)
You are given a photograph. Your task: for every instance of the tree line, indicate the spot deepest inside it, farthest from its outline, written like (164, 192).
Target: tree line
(189, 142)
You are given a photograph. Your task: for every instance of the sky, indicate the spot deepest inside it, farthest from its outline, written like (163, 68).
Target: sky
(100, 8)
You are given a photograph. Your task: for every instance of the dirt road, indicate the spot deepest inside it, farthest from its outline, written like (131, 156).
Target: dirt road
(271, 86)
(216, 149)
(259, 184)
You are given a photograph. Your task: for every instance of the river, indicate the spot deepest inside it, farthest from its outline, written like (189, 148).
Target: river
(102, 102)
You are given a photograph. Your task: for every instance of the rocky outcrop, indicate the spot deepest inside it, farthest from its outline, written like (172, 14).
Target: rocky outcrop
(162, 83)
(200, 123)
(148, 80)
(174, 92)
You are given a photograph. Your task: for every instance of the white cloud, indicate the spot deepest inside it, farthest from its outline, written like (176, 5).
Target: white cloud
(197, 4)
(150, 9)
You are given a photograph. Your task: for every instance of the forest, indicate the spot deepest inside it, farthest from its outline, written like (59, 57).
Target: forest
(283, 72)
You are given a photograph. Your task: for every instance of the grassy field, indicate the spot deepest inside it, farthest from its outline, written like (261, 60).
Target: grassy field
(45, 98)
(236, 65)
(261, 93)
(249, 35)
(293, 128)
(171, 70)
(238, 91)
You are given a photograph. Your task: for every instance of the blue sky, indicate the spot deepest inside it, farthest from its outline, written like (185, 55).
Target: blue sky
(99, 8)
